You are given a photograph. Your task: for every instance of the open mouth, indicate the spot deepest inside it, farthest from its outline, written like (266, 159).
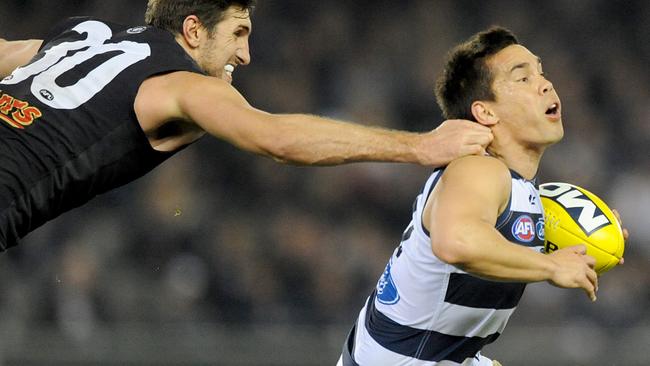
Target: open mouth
(229, 70)
(553, 110)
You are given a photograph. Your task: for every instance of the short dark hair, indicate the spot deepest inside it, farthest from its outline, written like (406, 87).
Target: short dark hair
(170, 14)
(466, 77)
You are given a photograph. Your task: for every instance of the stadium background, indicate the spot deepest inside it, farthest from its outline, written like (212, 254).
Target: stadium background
(220, 257)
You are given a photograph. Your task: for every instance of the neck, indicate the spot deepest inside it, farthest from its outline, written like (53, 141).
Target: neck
(189, 50)
(523, 160)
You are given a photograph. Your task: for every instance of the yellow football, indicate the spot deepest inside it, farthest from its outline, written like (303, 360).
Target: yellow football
(573, 216)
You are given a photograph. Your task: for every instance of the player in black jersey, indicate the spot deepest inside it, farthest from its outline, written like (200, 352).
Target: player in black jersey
(96, 105)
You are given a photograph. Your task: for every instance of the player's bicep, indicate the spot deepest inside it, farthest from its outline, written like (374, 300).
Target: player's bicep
(14, 54)
(469, 197)
(472, 188)
(220, 110)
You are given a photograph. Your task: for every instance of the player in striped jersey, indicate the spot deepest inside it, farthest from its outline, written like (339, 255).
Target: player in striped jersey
(477, 227)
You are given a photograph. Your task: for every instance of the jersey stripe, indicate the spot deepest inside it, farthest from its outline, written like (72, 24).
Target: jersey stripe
(465, 321)
(423, 344)
(467, 290)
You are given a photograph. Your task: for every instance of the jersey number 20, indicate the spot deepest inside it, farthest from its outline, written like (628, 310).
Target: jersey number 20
(62, 58)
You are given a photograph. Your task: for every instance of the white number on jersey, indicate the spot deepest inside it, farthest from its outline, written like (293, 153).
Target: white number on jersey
(57, 61)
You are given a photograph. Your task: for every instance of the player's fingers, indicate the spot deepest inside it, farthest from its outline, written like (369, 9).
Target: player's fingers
(622, 261)
(485, 139)
(626, 233)
(474, 132)
(591, 295)
(593, 278)
(591, 261)
(474, 149)
(579, 249)
(590, 289)
(477, 138)
(484, 134)
(470, 125)
(618, 216)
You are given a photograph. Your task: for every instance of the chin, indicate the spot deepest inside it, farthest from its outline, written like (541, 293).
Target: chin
(547, 140)
(556, 135)
(555, 139)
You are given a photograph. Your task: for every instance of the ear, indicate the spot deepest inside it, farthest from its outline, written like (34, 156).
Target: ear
(484, 114)
(192, 30)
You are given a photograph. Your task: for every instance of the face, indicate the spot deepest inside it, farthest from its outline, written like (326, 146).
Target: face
(226, 48)
(526, 106)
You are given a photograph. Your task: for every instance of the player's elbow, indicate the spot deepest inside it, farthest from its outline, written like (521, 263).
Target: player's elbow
(447, 249)
(451, 247)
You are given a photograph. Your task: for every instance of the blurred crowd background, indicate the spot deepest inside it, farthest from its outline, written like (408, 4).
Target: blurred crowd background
(221, 257)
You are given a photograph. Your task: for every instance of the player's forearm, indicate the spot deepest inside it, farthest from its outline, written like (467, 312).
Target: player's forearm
(482, 251)
(291, 138)
(311, 140)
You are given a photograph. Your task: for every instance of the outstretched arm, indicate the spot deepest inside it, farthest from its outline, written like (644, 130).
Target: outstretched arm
(461, 214)
(14, 54)
(220, 110)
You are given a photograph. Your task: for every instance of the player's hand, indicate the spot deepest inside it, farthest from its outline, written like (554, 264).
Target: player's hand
(451, 140)
(575, 269)
(626, 233)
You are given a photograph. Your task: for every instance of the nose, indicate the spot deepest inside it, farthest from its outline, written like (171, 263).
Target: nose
(243, 54)
(545, 87)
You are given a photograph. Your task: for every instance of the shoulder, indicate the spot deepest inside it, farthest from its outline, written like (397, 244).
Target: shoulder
(180, 85)
(181, 94)
(64, 25)
(481, 168)
(479, 176)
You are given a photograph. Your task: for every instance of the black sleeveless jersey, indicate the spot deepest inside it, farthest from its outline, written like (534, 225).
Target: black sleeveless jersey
(68, 130)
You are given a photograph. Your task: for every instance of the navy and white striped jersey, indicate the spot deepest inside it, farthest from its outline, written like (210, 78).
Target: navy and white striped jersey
(424, 311)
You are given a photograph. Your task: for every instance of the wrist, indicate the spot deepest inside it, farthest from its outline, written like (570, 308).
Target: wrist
(416, 149)
(425, 149)
(549, 268)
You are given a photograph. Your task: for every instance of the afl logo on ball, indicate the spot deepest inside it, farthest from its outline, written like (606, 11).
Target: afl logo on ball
(524, 229)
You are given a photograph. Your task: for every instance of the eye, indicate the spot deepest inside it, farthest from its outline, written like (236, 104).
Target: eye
(241, 32)
(524, 79)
